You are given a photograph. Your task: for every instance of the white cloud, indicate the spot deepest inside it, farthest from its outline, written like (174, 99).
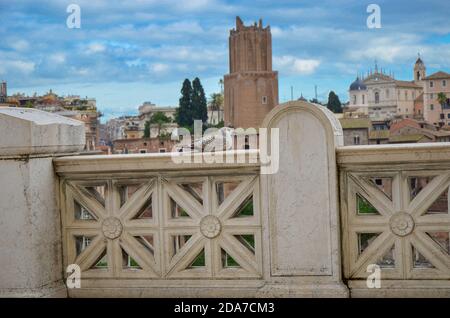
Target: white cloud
(159, 68)
(293, 65)
(20, 66)
(95, 48)
(19, 45)
(57, 58)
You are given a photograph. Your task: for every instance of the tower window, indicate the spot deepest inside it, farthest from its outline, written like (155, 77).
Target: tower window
(264, 100)
(354, 99)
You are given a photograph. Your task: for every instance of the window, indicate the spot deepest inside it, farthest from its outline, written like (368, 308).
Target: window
(442, 116)
(354, 99)
(406, 94)
(431, 107)
(356, 140)
(431, 96)
(387, 93)
(448, 115)
(431, 84)
(363, 99)
(444, 83)
(162, 150)
(377, 98)
(142, 151)
(264, 100)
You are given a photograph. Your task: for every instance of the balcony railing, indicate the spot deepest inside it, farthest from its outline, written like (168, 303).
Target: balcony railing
(395, 214)
(309, 218)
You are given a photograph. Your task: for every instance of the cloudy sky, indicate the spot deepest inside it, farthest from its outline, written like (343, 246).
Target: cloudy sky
(127, 52)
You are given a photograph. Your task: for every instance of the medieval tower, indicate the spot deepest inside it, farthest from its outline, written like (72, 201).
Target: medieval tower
(251, 88)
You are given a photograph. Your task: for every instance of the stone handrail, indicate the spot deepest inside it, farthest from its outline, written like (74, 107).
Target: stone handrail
(395, 215)
(149, 226)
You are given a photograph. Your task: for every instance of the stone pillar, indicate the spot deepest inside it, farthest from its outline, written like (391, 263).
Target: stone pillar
(301, 201)
(30, 225)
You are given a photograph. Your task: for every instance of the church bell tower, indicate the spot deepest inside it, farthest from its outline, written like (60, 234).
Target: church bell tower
(419, 70)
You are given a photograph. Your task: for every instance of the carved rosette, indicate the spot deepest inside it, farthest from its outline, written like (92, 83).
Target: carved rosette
(210, 226)
(112, 228)
(401, 224)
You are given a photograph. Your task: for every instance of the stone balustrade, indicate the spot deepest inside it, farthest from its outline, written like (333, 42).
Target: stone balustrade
(395, 214)
(147, 225)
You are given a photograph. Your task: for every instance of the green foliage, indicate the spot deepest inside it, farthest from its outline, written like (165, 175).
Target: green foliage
(198, 101)
(29, 104)
(443, 100)
(364, 206)
(192, 105)
(159, 119)
(184, 111)
(147, 129)
(334, 104)
(199, 260)
(216, 101)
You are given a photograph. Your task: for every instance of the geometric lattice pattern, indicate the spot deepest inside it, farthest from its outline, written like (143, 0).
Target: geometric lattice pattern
(196, 227)
(399, 221)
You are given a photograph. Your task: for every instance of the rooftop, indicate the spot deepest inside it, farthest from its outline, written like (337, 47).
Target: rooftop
(355, 123)
(438, 75)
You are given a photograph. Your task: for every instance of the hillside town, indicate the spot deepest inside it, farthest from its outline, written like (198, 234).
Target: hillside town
(381, 109)
(342, 195)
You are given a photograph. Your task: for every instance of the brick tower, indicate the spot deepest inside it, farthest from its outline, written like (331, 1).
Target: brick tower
(251, 88)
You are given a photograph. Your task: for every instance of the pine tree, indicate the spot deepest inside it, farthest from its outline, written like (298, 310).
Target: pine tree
(334, 104)
(184, 114)
(199, 106)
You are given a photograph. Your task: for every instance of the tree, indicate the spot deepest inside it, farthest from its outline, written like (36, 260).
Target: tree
(183, 113)
(199, 108)
(334, 104)
(159, 119)
(216, 104)
(442, 99)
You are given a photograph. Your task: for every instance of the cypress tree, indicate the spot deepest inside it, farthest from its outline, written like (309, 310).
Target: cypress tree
(184, 114)
(334, 104)
(199, 106)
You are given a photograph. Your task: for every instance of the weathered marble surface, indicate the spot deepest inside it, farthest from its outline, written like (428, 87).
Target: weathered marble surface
(30, 240)
(26, 131)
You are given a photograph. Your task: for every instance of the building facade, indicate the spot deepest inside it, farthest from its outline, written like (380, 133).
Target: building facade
(3, 92)
(433, 111)
(142, 145)
(251, 87)
(381, 96)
